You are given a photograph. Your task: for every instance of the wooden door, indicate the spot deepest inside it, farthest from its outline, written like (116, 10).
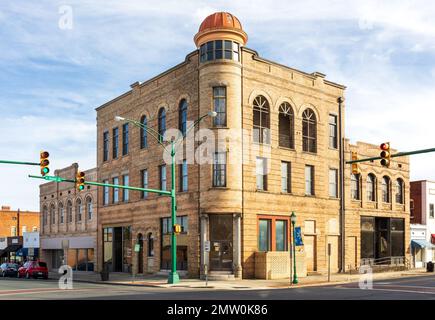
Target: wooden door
(333, 240)
(310, 253)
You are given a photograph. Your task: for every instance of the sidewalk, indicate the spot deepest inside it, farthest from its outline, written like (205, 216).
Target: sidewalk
(245, 284)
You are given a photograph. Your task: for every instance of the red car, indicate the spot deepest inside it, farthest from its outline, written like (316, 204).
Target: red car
(34, 269)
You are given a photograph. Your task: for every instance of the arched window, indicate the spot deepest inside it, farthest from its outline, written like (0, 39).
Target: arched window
(371, 187)
(150, 239)
(183, 117)
(399, 191)
(53, 214)
(44, 215)
(354, 186)
(69, 211)
(309, 131)
(386, 189)
(162, 122)
(286, 126)
(261, 120)
(89, 208)
(143, 133)
(79, 210)
(61, 213)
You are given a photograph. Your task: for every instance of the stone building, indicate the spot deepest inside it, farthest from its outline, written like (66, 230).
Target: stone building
(69, 222)
(276, 140)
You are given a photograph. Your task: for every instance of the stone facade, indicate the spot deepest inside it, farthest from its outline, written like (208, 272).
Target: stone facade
(69, 228)
(245, 78)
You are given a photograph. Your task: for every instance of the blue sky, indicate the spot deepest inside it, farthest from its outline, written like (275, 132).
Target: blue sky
(53, 78)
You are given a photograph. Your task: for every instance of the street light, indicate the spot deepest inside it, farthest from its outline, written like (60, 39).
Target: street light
(293, 221)
(173, 275)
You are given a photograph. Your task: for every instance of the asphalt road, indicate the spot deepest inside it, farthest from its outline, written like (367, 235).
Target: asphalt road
(413, 288)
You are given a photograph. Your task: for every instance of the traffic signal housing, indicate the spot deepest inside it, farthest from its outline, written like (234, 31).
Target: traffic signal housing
(80, 180)
(385, 154)
(44, 162)
(355, 168)
(177, 228)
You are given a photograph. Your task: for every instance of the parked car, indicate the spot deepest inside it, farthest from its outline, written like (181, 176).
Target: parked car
(9, 270)
(34, 269)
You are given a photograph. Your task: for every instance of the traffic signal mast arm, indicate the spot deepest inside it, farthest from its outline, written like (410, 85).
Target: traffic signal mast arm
(20, 162)
(60, 179)
(400, 154)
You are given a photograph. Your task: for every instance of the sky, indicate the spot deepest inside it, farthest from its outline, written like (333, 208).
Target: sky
(60, 60)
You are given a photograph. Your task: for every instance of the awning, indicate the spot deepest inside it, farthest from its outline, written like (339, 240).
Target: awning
(11, 248)
(420, 244)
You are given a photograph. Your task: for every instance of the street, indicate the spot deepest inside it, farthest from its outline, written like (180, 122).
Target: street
(414, 288)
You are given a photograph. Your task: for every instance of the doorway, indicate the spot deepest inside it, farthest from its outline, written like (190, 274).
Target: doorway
(140, 253)
(311, 253)
(221, 242)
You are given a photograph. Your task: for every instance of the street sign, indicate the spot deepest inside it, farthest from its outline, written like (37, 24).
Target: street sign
(298, 237)
(207, 246)
(137, 247)
(30, 239)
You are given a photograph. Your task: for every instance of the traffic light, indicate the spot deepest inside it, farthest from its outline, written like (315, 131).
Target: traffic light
(44, 162)
(355, 169)
(385, 154)
(177, 228)
(80, 180)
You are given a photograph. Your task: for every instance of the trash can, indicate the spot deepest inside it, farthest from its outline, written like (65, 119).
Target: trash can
(429, 266)
(105, 272)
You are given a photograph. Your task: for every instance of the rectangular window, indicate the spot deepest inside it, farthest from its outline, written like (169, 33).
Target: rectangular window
(125, 182)
(333, 183)
(13, 231)
(162, 171)
(309, 180)
(280, 235)
(106, 193)
(354, 186)
(183, 176)
(115, 143)
(285, 177)
(264, 236)
(125, 139)
(105, 146)
(220, 106)
(144, 174)
(431, 210)
(167, 224)
(261, 172)
(220, 169)
(333, 143)
(115, 198)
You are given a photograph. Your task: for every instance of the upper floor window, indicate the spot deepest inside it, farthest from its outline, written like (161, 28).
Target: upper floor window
(386, 189)
(285, 177)
(125, 182)
(220, 169)
(115, 194)
(105, 193)
(333, 183)
(44, 215)
(220, 106)
(333, 137)
(125, 139)
(79, 210)
(261, 171)
(286, 126)
(309, 131)
(143, 133)
(115, 142)
(144, 174)
(13, 231)
(183, 117)
(399, 191)
(105, 146)
(163, 180)
(183, 176)
(53, 214)
(89, 208)
(34, 229)
(69, 214)
(355, 186)
(261, 120)
(309, 180)
(371, 187)
(162, 123)
(431, 210)
(61, 213)
(219, 49)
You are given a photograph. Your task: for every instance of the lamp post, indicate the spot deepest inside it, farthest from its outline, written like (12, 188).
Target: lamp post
(173, 275)
(293, 221)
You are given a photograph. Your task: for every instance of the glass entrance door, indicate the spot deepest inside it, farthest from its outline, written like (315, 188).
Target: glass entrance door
(221, 242)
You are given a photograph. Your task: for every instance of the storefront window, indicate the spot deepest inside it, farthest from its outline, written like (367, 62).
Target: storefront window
(280, 235)
(264, 235)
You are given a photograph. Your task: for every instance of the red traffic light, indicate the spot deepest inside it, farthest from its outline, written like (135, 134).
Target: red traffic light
(385, 146)
(44, 154)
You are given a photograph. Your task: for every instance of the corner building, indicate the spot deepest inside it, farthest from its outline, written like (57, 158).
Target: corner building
(276, 138)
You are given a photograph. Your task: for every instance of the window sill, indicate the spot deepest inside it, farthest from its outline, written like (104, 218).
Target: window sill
(310, 195)
(219, 127)
(262, 144)
(262, 191)
(310, 153)
(333, 149)
(219, 188)
(287, 149)
(286, 193)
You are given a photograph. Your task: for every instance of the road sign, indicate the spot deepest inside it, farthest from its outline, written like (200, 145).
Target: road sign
(207, 246)
(298, 236)
(30, 239)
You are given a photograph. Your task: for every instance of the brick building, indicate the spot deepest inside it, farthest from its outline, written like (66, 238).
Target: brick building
(273, 148)
(69, 222)
(14, 222)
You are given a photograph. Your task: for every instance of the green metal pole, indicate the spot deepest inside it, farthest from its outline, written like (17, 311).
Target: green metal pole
(20, 162)
(173, 276)
(295, 277)
(400, 154)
